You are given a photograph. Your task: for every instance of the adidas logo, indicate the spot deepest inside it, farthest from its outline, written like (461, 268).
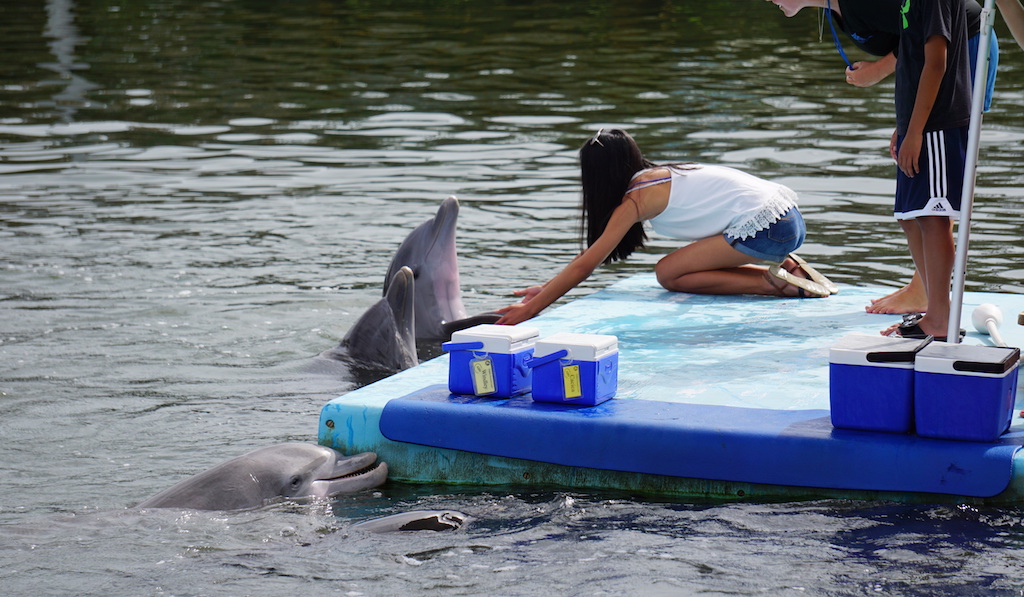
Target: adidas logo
(938, 207)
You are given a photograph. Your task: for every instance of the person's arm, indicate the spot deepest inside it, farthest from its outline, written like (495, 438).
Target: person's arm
(577, 271)
(927, 90)
(1013, 14)
(532, 291)
(867, 73)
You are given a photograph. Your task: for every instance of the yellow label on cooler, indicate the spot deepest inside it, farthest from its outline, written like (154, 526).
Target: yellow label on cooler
(571, 382)
(483, 377)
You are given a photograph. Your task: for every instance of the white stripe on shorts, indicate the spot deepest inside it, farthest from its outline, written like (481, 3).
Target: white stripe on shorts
(936, 143)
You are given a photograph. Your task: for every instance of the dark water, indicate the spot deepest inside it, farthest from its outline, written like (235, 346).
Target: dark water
(196, 198)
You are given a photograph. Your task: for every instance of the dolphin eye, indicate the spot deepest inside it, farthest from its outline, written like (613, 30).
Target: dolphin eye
(295, 482)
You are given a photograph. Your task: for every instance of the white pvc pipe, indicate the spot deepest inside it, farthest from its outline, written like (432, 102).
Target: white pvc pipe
(967, 196)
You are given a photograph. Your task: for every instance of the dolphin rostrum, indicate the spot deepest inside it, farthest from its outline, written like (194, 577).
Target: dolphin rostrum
(288, 471)
(429, 251)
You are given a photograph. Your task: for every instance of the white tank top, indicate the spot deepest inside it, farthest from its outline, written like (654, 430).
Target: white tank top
(707, 200)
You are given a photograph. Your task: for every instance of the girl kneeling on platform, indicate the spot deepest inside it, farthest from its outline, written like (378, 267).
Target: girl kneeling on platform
(736, 220)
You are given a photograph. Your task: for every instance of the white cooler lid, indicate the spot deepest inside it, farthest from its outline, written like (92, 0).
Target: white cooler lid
(875, 351)
(498, 338)
(967, 359)
(581, 347)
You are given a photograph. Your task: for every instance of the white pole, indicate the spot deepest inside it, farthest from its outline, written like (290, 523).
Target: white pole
(967, 197)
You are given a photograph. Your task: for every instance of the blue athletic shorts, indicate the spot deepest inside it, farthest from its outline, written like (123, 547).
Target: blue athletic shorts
(993, 61)
(936, 189)
(776, 241)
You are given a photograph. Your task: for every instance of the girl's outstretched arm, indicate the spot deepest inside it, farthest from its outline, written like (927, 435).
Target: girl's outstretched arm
(528, 293)
(577, 271)
(532, 291)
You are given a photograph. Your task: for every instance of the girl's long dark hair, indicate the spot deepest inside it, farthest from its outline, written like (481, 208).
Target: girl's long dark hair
(607, 162)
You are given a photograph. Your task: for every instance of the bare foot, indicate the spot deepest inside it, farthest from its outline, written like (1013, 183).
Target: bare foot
(909, 299)
(873, 301)
(776, 287)
(908, 319)
(891, 330)
(924, 324)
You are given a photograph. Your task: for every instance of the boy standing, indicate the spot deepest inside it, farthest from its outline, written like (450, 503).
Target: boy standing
(933, 110)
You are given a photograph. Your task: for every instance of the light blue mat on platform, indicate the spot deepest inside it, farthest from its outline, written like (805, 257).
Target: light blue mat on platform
(732, 389)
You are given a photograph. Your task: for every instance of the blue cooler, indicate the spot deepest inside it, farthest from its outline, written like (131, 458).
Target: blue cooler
(965, 392)
(576, 369)
(871, 382)
(491, 360)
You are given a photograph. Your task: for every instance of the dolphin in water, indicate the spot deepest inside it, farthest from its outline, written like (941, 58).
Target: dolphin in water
(383, 338)
(429, 251)
(295, 471)
(281, 471)
(422, 303)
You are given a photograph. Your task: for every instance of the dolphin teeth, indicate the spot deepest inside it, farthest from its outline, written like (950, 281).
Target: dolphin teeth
(363, 471)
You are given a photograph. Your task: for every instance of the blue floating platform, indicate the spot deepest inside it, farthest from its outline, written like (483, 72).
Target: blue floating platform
(719, 397)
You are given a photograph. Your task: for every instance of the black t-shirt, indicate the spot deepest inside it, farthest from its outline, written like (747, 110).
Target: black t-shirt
(922, 20)
(874, 25)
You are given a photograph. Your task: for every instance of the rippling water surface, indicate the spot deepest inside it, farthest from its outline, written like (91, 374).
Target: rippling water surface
(196, 198)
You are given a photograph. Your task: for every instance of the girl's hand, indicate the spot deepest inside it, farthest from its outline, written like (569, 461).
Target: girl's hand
(528, 293)
(519, 312)
(514, 314)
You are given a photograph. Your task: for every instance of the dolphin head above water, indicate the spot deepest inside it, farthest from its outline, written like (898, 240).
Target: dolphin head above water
(383, 338)
(429, 251)
(289, 471)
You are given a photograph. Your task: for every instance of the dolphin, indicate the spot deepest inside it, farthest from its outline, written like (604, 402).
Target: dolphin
(281, 471)
(429, 251)
(383, 338)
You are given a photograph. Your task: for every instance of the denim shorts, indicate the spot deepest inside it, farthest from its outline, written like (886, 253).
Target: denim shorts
(776, 241)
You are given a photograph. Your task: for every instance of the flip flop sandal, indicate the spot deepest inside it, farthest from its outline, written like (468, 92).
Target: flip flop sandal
(805, 288)
(814, 274)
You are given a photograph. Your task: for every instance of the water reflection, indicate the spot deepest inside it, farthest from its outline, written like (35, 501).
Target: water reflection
(61, 29)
